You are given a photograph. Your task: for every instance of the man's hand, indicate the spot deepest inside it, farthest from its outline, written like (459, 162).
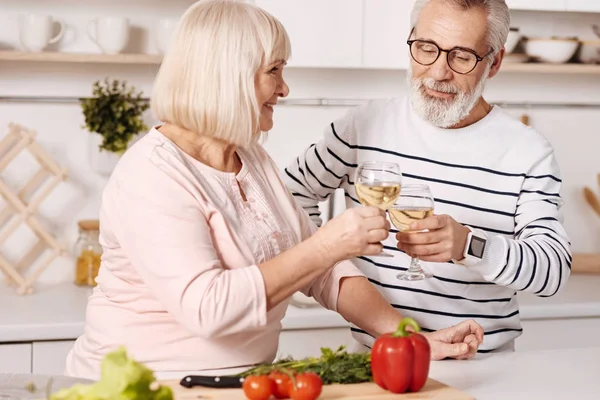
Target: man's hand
(459, 341)
(444, 241)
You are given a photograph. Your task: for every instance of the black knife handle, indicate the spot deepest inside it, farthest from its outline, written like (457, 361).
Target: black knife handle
(220, 382)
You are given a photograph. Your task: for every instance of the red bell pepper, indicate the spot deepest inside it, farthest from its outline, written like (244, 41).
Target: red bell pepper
(400, 360)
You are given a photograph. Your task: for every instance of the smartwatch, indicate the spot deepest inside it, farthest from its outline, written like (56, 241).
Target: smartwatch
(474, 248)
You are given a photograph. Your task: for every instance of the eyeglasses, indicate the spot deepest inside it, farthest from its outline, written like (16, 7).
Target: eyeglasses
(460, 60)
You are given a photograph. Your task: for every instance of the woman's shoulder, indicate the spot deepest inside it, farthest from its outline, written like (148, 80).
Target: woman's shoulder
(153, 167)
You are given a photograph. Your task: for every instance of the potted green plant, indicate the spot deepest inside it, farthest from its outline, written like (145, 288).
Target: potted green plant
(114, 113)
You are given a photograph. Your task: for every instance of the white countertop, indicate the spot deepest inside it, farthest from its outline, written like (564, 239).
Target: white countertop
(57, 312)
(552, 374)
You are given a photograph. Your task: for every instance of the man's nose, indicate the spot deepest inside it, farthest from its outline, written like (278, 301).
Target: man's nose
(440, 70)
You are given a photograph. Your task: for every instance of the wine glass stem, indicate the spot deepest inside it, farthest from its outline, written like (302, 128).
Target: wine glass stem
(414, 265)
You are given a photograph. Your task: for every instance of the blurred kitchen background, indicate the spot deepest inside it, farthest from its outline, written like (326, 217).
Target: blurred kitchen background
(344, 52)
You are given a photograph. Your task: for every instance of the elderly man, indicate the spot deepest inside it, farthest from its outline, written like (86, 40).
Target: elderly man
(497, 228)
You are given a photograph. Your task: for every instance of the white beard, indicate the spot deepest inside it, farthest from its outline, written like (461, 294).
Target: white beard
(439, 112)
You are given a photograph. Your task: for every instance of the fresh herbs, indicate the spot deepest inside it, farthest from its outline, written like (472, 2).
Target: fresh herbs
(337, 366)
(115, 112)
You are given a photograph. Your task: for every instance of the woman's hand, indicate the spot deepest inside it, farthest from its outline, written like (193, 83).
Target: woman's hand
(358, 231)
(459, 341)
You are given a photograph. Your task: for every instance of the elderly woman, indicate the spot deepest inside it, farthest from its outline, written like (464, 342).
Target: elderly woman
(203, 244)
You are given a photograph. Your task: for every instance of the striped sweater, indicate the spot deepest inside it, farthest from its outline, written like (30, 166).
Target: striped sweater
(496, 176)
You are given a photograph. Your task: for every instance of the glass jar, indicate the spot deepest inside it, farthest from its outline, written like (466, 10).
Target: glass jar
(88, 252)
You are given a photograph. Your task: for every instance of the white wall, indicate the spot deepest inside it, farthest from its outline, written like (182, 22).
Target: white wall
(59, 125)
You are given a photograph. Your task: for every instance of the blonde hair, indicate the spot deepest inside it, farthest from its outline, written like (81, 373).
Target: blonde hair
(206, 82)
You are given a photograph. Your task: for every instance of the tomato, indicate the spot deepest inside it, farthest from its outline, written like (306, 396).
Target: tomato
(308, 386)
(282, 380)
(258, 387)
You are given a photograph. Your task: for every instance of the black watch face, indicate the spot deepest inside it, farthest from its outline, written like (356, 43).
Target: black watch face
(477, 246)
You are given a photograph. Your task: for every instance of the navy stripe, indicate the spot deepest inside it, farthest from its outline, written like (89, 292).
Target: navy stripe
(357, 330)
(314, 215)
(300, 168)
(483, 228)
(505, 263)
(534, 266)
(325, 166)
(551, 202)
(520, 263)
(300, 195)
(317, 179)
(541, 192)
(434, 276)
(567, 255)
(504, 330)
(410, 157)
(543, 177)
(295, 179)
(340, 159)
(448, 314)
(494, 332)
(559, 275)
(536, 220)
(480, 189)
(447, 296)
(351, 198)
(488, 210)
(548, 268)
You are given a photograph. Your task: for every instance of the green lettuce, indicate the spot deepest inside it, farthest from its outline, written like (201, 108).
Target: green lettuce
(122, 378)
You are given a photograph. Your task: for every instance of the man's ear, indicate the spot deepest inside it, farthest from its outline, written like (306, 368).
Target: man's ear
(497, 63)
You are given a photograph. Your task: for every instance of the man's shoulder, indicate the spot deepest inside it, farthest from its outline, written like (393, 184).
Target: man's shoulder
(520, 136)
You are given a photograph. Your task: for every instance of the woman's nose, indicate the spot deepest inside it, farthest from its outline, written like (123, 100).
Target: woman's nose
(284, 90)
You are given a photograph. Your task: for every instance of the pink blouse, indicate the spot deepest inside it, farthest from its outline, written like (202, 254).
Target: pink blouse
(179, 285)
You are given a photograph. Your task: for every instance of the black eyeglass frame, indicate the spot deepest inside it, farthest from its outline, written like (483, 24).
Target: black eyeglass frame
(440, 50)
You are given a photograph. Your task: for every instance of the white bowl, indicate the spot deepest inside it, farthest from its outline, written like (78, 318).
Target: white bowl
(552, 50)
(512, 40)
(589, 53)
(515, 58)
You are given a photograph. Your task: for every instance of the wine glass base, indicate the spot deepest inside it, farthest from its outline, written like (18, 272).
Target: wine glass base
(413, 275)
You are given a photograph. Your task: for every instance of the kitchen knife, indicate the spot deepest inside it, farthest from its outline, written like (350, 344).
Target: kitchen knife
(220, 382)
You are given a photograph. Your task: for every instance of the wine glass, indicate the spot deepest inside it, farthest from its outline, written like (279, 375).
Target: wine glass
(378, 184)
(414, 204)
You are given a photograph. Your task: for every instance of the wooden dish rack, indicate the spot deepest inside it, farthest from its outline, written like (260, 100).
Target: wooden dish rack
(22, 207)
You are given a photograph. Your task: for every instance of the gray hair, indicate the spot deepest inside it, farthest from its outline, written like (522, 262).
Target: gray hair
(498, 17)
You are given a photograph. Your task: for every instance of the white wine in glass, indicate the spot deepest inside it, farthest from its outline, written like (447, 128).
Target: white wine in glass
(378, 184)
(414, 204)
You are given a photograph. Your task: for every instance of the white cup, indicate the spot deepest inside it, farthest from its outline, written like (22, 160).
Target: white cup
(109, 33)
(164, 33)
(35, 31)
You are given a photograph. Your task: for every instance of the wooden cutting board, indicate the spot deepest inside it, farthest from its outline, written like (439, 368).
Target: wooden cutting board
(361, 391)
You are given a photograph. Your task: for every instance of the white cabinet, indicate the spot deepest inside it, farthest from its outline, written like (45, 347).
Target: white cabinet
(304, 343)
(386, 29)
(15, 358)
(539, 5)
(583, 5)
(49, 357)
(324, 33)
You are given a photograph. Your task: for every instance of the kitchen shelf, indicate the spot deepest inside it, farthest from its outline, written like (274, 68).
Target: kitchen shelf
(551, 68)
(90, 58)
(155, 59)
